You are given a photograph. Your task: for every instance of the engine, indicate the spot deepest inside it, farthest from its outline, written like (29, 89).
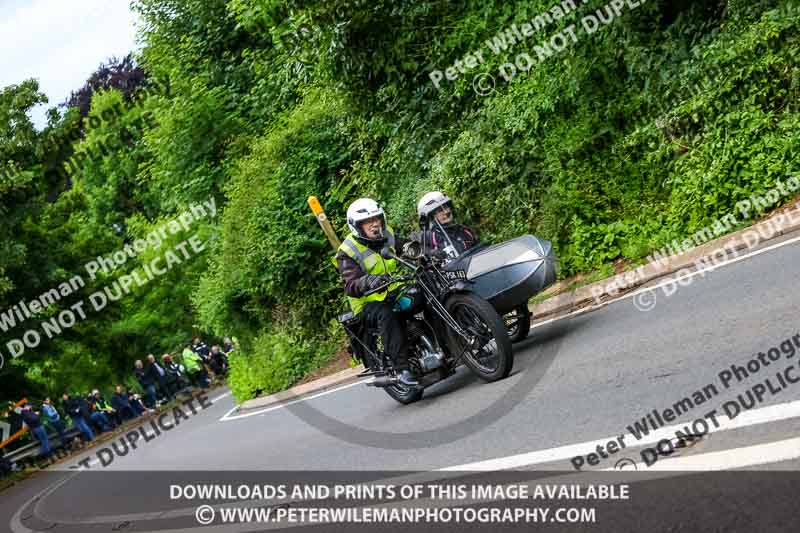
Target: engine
(428, 356)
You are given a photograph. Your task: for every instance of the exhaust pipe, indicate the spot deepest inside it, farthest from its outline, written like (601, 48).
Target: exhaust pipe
(382, 382)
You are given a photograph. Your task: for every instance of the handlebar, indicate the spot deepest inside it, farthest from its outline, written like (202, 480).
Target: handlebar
(387, 285)
(386, 253)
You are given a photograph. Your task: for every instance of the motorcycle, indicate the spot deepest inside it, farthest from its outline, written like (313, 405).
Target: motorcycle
(447, 325)
(506, 275)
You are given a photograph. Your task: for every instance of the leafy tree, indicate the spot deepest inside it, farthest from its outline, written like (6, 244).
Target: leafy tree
(124, 75)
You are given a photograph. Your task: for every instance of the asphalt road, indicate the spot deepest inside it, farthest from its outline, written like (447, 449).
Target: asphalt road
(579, 381)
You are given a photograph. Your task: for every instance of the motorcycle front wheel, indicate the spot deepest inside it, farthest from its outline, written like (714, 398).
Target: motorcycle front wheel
(493, 357)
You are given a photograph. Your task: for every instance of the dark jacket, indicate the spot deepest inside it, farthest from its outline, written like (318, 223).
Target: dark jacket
(434, 240)
(15, 421)
(86, 411)
(71, 408)
(143, 377)
(120, 401)
(220, 360)
(31, 419)
(202, 350)
(77, 407)
(353, 276)
(148, 375)
(172, 372)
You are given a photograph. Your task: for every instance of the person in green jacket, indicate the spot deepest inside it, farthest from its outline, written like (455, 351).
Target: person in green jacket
(195, 367)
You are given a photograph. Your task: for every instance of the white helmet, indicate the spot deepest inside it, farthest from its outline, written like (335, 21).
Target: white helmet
(430, 203)
(360, 210)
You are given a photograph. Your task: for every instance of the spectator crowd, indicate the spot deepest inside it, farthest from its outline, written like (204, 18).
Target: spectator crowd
(92, 414)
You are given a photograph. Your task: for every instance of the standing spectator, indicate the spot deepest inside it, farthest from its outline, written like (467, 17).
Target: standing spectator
(219, 361)
(34, 423)
(54, 419)
(121, 404)
(80, 417)
(147, 380)
(161, 377)
(200, 348)
(174, 374)
(227, 346)
(195, 368)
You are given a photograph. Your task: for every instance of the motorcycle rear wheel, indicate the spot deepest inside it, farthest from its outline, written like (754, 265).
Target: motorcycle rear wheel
(477, 317)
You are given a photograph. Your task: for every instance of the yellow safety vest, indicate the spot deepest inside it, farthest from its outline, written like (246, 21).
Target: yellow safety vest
(371, 263)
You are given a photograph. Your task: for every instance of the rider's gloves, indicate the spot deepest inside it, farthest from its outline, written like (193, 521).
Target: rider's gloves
(372, 282)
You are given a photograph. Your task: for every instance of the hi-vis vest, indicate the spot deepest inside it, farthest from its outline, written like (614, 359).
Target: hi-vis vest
(371, 263)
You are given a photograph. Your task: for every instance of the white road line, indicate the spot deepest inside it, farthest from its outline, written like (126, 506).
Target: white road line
(228, 418)
(763, 415)
(221, 396)
(746, 456)
(668, 282)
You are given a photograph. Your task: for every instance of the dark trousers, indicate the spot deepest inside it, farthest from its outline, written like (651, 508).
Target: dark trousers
(164, 389)
(137, 408)
(199, 378)
(83, 426)
(126, 412)
(150, 395)
(172, 386)
(114, 416)
(380, 318)
(58, 425)
(100, 421)
(41, 435)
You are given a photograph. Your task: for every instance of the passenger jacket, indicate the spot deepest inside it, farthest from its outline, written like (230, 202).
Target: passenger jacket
(434, 240)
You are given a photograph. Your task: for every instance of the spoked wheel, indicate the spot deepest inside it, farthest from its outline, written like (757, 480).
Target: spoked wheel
(518, 323)
(370, 358)
(492, 359)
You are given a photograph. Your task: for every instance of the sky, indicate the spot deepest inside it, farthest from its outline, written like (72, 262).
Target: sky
(60, 43)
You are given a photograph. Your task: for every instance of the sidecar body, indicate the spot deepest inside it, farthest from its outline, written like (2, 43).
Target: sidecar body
(510, 273)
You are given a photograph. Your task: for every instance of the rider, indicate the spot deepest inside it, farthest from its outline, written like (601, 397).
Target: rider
(439, 233)
(363, 269)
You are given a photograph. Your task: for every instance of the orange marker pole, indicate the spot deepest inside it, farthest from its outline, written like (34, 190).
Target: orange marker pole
(324, 223)
(19, 433)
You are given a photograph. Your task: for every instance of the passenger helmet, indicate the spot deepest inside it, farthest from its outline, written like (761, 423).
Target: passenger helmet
(430, 203)
(361, 210)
